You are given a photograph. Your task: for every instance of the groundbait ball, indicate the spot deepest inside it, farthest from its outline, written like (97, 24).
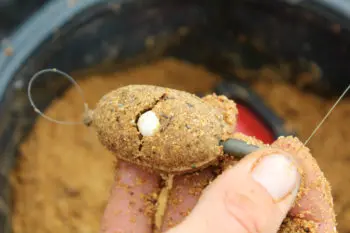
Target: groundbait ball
(162, 129)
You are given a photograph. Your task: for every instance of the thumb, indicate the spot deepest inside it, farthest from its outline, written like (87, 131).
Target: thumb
(253, 196)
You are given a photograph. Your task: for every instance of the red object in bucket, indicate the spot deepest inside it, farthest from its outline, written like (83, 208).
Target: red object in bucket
(250, 124)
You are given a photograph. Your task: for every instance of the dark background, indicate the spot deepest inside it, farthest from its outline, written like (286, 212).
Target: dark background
(13, 12)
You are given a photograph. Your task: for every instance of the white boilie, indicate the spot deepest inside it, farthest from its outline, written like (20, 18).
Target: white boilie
(148, 123)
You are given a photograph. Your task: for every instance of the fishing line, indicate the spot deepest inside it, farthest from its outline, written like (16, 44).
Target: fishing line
(327, 115)
(35, 76)
(240, 148)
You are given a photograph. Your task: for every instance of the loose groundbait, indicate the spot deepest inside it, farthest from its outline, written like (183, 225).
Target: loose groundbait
(164, 130)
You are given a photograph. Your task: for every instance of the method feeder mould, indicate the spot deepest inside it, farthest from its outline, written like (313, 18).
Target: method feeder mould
(163, 130)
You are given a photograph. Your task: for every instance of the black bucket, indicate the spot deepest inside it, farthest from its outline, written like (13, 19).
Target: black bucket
(83, 34)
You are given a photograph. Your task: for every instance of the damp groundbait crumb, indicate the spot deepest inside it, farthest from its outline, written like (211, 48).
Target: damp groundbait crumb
(8, 51)
(297, 225)
(150, 201)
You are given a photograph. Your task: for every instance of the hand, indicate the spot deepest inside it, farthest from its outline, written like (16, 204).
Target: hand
(255, 195)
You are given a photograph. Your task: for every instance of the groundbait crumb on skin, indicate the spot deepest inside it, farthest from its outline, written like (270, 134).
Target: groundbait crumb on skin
(297, 225)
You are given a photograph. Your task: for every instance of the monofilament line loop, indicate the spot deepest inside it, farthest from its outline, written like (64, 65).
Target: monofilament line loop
(71, 80)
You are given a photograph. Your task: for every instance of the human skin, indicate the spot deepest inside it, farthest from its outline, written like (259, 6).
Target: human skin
(258, 213)
(253, 195)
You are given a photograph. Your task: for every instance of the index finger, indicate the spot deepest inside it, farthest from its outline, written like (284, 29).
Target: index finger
(133, 197)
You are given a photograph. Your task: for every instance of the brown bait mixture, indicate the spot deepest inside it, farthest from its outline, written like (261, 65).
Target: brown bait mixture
(186, 141)
(295, 225)
(53, 192)
(189, 135)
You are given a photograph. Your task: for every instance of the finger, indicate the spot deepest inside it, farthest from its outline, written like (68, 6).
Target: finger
(131, 205)
(253, 196)
(184, 196)
(188, 188)
(314, 201)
